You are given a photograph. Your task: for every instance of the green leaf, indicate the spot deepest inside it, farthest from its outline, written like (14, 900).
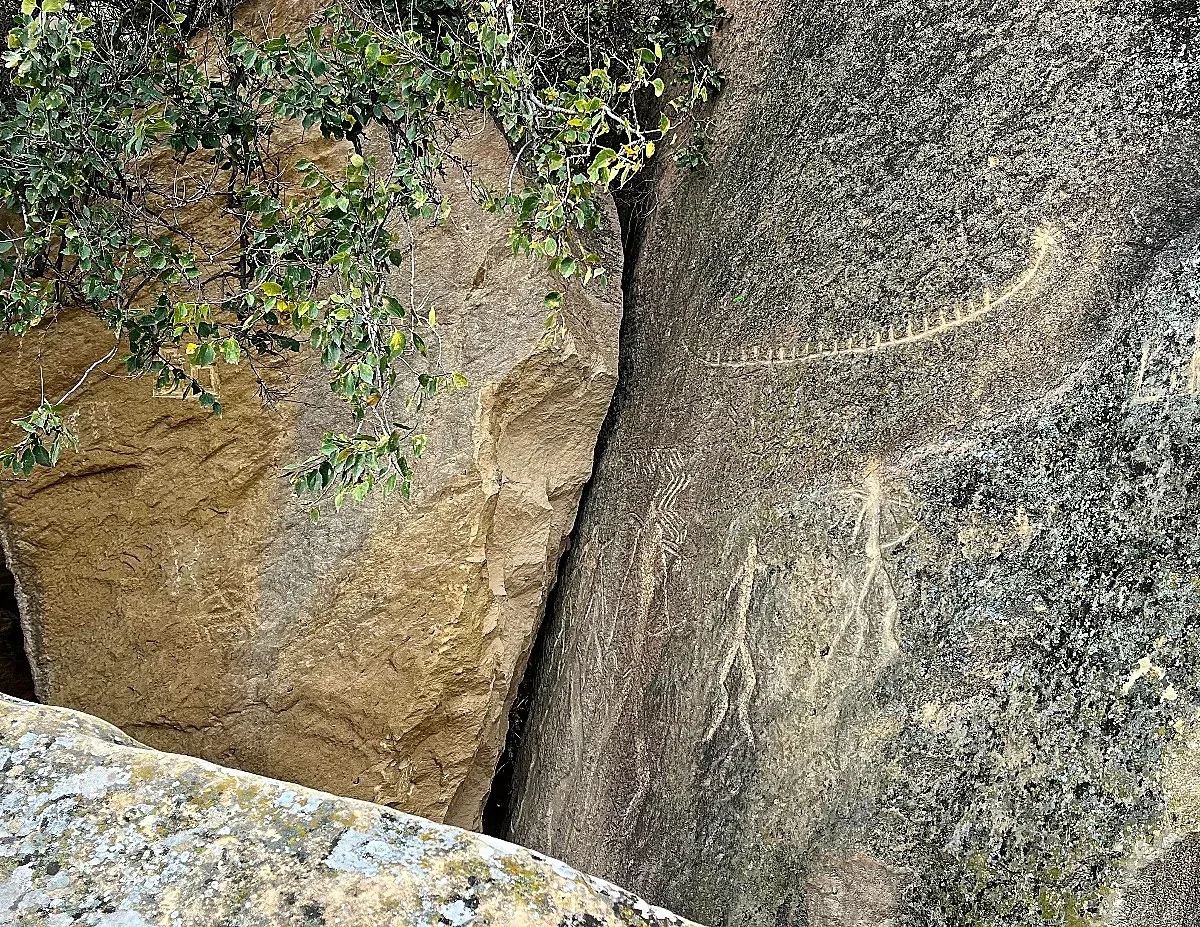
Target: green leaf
(603, 157)
(204, 355)
(91, 129)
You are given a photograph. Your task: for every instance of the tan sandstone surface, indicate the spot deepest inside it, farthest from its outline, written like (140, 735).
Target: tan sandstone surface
(169, 583)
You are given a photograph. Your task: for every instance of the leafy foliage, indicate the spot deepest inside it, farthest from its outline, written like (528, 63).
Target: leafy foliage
(116, 128)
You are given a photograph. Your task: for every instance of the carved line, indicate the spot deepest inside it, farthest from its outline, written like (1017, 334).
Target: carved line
(1144, 395)
(932, 326)
(1193, 383)
(738, 652)
(663, 505)
(871, 517)
(869, 596)
(655, 548)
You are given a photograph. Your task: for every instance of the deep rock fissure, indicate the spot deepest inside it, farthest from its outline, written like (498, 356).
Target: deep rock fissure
(16, 675)
(498, 809)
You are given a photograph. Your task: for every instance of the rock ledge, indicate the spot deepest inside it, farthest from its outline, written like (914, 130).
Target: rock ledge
(96, 829)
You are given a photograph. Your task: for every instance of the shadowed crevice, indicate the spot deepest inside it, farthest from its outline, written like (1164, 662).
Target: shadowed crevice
(16, 677)
(632, 207)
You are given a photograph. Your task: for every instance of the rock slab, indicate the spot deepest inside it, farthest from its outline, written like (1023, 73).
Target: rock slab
(883, 603)
(100, 831)
(169, 583)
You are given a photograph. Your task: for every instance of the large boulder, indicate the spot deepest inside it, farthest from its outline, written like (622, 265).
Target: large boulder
(169, 583)
(883, 602)
(97, 830)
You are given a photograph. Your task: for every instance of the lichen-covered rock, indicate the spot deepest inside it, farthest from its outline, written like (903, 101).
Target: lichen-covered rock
(1160, 882)
(97, 830)
(891, 554)
(170, 584)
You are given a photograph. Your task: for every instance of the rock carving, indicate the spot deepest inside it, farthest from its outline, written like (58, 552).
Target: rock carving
(933, 325)
(1176, 384)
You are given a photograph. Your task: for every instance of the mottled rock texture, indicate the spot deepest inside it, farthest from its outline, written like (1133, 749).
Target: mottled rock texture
(97, 830)
(883, 606)
(171, 585)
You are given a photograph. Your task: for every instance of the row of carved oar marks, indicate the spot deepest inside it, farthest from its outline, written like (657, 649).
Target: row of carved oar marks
(931, 325)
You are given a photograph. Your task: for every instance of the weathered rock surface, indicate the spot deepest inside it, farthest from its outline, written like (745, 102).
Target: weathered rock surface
(171, 585)
(1160, 885)
(883, 606)
(97, 830)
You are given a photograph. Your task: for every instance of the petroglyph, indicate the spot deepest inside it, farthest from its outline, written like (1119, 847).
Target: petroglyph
(932, 325)
(656, 542)
(1193, 378)
(1175, 383)
(663, 507)
(395, 772)
(642, 552)
(881, 526)
(225, 625)
(738, 651)
(205, 376)
(218, 605)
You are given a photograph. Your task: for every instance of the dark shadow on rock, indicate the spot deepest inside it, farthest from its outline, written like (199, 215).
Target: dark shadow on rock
(16, 678)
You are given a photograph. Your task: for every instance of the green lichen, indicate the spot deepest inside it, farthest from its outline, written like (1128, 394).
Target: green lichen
(1063, 669)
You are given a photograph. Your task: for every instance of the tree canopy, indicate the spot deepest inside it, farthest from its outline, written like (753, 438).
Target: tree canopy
(106, 105)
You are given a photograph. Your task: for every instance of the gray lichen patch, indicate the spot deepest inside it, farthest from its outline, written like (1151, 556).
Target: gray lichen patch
(99, 831)
(1053, 636)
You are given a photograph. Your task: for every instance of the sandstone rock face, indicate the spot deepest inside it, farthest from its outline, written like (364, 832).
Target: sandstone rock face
(883, 603)
(171, 585)
(97, 830)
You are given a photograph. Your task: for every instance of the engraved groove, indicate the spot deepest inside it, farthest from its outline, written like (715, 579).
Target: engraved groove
(738, 653)
(933, 325)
